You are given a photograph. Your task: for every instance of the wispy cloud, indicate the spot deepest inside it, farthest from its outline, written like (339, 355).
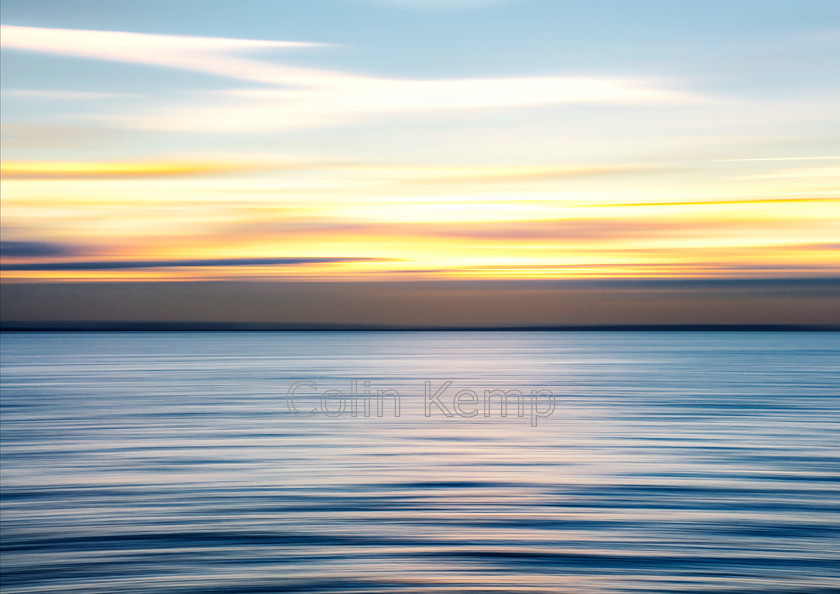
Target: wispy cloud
(62, 95)
(35, 249)
(820, 158)
(478, 175)
(303, 97)
(63, 170)
(810, 173)
(334, 99)
(191, 263)
(566, 232)
(55, 136)
(349, 173)
(212, 55)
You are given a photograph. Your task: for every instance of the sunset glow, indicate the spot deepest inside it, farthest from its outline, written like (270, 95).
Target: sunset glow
(254, 152)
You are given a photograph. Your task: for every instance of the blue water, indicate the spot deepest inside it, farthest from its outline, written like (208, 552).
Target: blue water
(170, 462)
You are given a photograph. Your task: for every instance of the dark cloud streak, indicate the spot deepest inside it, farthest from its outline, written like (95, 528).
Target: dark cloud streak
(191, 263)
(35, 249)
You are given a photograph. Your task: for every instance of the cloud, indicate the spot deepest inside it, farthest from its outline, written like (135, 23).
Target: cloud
(304, 97)
(336, 99)
(211, 55)
(493, 175)
(811, 173)
(767, 201)
(34, 249)
(818, 246)
(596, 230)
(694, 267)
(821, 158)
(190, 263)
(64, 170)
(54, 136)
(63, 95)
(560, 231)
(351, 172)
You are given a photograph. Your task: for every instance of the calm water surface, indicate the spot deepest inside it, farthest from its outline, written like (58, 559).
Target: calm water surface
(170, 462)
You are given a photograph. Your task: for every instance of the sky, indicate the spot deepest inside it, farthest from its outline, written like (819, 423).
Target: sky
(356, 143)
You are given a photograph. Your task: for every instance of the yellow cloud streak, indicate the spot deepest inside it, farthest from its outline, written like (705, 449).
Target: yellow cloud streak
(46, 170)
(140, 210)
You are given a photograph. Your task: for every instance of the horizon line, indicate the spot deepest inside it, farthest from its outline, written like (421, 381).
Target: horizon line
(126, 326)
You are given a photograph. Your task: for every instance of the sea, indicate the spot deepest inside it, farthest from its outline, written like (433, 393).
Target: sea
(451, 461)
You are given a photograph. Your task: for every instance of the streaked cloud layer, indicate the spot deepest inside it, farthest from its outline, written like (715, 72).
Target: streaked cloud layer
(382, 140)
(52, 170)
(305, 97)
(213, 55)
(192, 263)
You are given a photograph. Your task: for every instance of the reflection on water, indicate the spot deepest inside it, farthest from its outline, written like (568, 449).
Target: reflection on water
(169, 462)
